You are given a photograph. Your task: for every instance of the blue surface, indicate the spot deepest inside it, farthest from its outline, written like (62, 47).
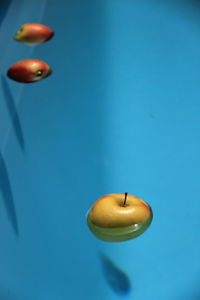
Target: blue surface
(120, 113)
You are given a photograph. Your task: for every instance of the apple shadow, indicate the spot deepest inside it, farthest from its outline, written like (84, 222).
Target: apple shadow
(7, 195)
(4, 6)
(117, 279)
(10, 104)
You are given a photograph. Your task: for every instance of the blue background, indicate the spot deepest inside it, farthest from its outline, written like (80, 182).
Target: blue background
(120, 113)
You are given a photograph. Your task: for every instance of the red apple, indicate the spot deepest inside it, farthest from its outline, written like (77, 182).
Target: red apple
(33, 33)
(29, 70)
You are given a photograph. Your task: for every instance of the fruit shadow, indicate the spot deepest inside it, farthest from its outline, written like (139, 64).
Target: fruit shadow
(117, 279)
(12, 110)
(7, 195)
(4, 6)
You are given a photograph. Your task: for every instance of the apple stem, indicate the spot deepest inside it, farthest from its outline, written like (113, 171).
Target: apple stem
(125, 199)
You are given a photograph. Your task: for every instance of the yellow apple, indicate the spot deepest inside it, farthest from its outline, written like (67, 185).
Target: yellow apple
(119, 217)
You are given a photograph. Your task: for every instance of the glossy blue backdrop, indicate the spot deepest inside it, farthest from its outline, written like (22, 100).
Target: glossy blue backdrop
(120, 113)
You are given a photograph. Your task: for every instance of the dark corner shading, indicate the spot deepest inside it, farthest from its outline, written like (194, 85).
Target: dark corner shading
(193, 291)
(116, 278)
(4, 6)
(7, 195)
(197, 2)
(10, 104)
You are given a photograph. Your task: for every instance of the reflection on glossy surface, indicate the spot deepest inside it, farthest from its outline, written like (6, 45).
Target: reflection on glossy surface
(117, 279)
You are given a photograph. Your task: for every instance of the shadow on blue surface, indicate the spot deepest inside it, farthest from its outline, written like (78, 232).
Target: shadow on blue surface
(117, 279)
(12, 110)
(7, 195)
(4, 6)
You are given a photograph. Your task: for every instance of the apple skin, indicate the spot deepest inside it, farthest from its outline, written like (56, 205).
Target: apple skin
(29, 70)
(33, 33)
(109, 220)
